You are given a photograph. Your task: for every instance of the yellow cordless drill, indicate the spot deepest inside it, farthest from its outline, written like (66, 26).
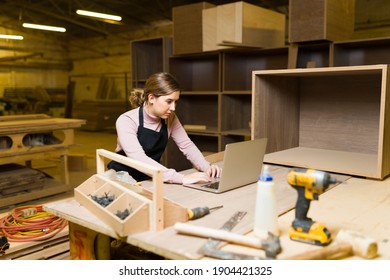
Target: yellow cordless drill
(309, 184)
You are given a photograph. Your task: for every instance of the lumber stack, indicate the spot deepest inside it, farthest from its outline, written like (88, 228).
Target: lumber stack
(56, 248)
(15, 178)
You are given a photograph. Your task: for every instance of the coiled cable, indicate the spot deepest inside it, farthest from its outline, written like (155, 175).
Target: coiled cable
(30, 223)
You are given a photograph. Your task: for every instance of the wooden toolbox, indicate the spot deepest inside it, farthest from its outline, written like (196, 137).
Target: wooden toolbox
(334, 118)
(147, 209)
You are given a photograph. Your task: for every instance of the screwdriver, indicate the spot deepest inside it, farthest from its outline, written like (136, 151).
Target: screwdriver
(200, 212)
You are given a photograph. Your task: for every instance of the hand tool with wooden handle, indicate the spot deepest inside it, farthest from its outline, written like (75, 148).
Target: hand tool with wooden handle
(346, 243)
(199, 212)
(271, 245)
(211, 249)
(185, 228)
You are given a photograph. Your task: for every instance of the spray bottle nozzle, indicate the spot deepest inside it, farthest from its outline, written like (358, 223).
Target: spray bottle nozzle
(265, 175)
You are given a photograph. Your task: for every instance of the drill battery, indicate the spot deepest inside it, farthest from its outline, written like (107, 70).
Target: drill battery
(311, 232)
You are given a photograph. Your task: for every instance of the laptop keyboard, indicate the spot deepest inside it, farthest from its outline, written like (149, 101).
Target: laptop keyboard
(212, 185)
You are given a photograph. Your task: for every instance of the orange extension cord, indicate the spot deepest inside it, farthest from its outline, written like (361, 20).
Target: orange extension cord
(30, 223)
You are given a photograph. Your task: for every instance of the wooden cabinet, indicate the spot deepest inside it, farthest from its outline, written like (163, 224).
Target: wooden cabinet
(330, 118)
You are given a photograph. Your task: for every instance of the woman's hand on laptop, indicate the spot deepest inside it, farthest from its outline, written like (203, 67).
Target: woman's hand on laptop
(214, 171)
(196, 177)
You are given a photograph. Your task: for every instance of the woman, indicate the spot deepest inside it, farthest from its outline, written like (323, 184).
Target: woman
(143, 132)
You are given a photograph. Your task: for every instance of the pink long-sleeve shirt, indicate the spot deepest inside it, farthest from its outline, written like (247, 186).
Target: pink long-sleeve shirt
(127, 126)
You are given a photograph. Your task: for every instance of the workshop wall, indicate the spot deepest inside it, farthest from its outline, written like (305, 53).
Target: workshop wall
(372, 19)
(106, 56)
(36, 60)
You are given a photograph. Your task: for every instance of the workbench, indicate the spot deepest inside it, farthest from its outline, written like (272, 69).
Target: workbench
(24, 138)
(355, 204)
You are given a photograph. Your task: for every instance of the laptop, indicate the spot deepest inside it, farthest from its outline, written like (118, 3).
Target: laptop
(241, 165)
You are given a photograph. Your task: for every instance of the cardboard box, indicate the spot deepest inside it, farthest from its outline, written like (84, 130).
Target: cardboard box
(187, 28)
(242, 24)
(313, 20)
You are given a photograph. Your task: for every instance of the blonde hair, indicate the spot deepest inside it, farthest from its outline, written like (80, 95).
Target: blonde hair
(158, 84)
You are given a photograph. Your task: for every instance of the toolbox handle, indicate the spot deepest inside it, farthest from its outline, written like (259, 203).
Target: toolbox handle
(157, 209)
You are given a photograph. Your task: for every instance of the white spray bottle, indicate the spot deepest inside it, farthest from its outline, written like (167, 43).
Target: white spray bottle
(266, 217)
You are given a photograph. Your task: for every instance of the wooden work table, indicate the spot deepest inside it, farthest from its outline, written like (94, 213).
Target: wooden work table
(24, 138)
(356, 204)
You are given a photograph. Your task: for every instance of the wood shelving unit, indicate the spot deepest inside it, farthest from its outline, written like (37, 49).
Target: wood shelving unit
(217, 88)
(217, 93)
(361, 52)
(148, 57)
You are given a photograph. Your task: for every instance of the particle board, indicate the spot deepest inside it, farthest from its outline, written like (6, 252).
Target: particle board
(332, 20)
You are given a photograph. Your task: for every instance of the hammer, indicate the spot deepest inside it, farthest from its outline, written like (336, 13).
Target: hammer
(347, 243)
(271, 245)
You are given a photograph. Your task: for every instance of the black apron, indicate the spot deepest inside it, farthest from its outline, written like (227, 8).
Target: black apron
(152, 142)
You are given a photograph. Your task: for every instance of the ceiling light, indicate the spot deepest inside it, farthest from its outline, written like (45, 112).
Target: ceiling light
(44, 27)
(98, 15)
(13, 37)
